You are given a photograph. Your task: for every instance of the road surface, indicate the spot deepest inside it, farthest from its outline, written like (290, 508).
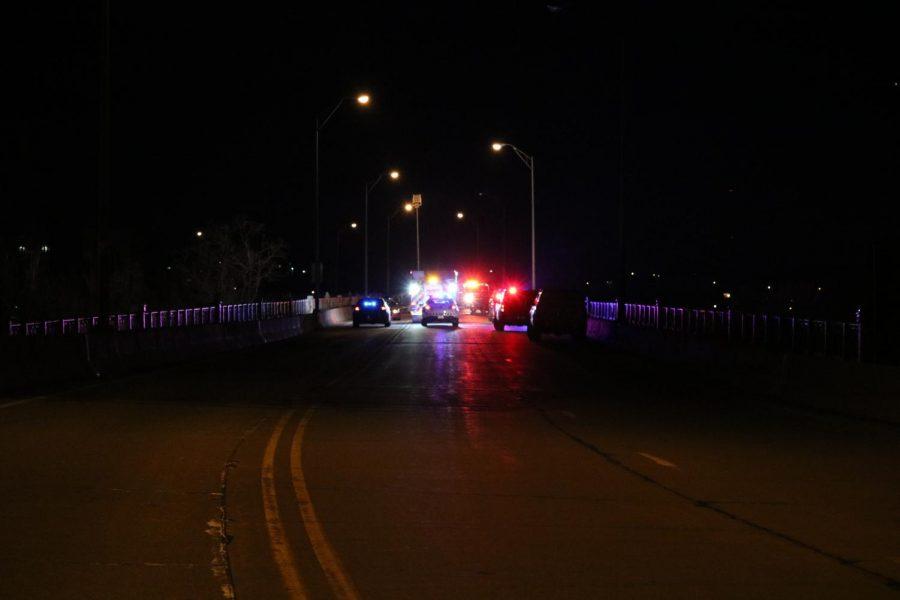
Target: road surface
(435, 463)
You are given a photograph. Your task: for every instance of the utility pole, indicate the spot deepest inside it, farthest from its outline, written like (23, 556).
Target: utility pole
(103, 175)
(417, 204)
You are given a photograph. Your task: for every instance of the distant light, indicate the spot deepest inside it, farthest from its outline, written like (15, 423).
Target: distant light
(303, 271)
(169, 268)
(715, 282)
(22, 248)
(497, 146)
(45, 248)
(460, 216)
(471, 284)
(433, 280)
(469, 298)
(363, 99)
(513, 290)
(790, 308)
(715, 306)
(632, 273)
(292, 269)
(490, 270)
(818, 289)
(414, 289)
(726, 295)
(395, 174)
(768, 287)
(199, 233)
(587, 283)
(408, 207)
(353, 225)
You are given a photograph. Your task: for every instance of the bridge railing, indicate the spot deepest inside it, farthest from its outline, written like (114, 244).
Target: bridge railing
(181, 317)
(822, 337)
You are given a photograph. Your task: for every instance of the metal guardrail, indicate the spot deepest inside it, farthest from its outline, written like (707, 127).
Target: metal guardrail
(181, 317)
(809, 336)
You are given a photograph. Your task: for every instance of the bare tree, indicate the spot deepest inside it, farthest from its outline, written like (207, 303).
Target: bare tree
(230, 262)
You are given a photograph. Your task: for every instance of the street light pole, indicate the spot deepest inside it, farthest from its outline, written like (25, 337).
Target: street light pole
(368, 188)
(362, 99)
(529, 162)
(337, 257)
(418, 255)
(387, 255)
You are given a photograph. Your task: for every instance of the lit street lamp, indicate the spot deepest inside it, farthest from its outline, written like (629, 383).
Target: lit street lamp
(337, 254)
(407, 208)
(529, 162)
(460, 216)
(362, 100)
(394, 175)
(502, 205)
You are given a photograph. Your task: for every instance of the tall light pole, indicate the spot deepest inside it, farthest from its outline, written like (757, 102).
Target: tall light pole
(408, 208)
(362, 100)
(394, 175)
(337, 256)
(503, 219)
(529, 162)
(461, 216)
(417, 204)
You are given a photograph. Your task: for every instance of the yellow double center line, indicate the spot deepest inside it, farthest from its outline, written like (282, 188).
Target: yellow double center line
(340, 582)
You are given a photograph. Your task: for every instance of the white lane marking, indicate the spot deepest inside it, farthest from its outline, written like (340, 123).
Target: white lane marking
(660, 461)
(337, 576)
(571, 415)
(18, 402)
(281, 550)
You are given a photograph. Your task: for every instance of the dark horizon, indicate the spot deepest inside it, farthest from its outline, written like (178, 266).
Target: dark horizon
(760, 143)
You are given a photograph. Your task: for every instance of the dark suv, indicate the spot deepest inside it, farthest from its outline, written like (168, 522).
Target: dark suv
(513, 309)
(558, 311)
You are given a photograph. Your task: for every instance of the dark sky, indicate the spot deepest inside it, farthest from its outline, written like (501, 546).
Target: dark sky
(760, 142)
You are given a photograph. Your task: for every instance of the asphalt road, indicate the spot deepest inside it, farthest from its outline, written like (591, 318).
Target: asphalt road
(437, 463)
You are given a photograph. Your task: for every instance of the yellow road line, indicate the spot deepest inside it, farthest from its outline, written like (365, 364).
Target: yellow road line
(18, 402)
(660, 461)
(281, 550)
(338, 578)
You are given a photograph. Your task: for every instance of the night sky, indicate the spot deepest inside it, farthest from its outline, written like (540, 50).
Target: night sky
(760, 142)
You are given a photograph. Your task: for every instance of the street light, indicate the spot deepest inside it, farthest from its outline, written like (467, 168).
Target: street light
(394, 175)
(362, 100)
(502, 205)
(529, 162)
(460, 216)
(408, 207)
(337, 254)
(199, 233)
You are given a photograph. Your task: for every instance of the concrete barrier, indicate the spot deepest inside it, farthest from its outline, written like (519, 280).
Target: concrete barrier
(336, 316)
(819, 383)
(32, 363)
